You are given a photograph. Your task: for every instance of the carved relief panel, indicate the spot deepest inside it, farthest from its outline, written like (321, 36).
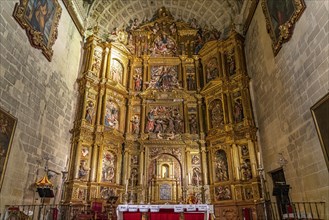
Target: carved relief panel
(109, 161)
(84, 167)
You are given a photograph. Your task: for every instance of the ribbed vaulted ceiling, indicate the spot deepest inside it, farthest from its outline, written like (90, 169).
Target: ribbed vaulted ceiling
(118, 13)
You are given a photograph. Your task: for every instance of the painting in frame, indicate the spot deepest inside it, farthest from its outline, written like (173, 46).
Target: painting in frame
(320, 113)
(40, 20)
(281, 17)
(7, 129)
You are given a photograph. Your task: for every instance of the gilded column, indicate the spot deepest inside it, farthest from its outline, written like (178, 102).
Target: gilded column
(236, 161)
(118, 176)
(145, 70)
(186, 119)
(77, 160)
(201, 116)
(141, 166)
(183, 58)
(204, 163)
(252, 155)
(93, 173)
(197, 73)
(143, 117)
(91, 53)
(188, 164)
(223, 61)
(105, 61)
(229, 107)
(100, 106)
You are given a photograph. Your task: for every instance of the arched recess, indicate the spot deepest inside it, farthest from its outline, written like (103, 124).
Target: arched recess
(165, 179)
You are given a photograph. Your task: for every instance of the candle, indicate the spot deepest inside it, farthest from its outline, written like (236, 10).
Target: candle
(126, 185)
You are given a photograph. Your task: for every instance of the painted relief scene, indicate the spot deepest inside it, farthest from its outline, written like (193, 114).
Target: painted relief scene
(165, 121)
(164, 78)
(108, 166)
(111, 115)
(116, 71)
(221, 166)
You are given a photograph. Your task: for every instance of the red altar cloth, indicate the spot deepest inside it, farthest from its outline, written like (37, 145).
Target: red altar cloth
(132, 215)
(166, 214)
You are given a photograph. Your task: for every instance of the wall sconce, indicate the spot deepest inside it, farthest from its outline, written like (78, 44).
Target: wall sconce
(281, 160)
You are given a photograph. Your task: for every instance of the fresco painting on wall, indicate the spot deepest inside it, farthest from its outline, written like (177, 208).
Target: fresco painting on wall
(281, 16)
(320, 116)
(7, 128)
(40, 20)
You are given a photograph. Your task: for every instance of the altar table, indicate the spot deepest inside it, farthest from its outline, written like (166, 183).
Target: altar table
(164, 212)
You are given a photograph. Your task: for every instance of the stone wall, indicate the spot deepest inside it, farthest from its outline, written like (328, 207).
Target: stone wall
(284, 89)
(42, 96)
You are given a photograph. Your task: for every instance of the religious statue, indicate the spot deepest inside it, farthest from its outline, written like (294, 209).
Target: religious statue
(217, 117)
(238, 111)
(83, 170)
(89, 112)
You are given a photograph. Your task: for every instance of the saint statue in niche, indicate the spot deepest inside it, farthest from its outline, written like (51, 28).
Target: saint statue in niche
(83, 170)
(196, 176)
(238, 111)
(217, 117)
(246, 170)
(193, 124)
(138, 83)
(212, 69)
(165, 171)
(89, 112)
(135, 124)
(230, 61)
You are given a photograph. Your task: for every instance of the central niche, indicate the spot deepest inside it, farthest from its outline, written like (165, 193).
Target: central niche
(164, 177)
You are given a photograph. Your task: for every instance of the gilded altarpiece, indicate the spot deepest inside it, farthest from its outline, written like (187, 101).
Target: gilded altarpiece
(162, 120)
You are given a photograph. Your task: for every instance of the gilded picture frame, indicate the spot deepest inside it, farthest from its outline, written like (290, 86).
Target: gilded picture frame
(7, 129)
(40, 19)
(320, 114)
(281, 17)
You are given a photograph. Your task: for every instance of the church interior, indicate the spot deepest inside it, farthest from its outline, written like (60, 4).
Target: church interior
(223, 104)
